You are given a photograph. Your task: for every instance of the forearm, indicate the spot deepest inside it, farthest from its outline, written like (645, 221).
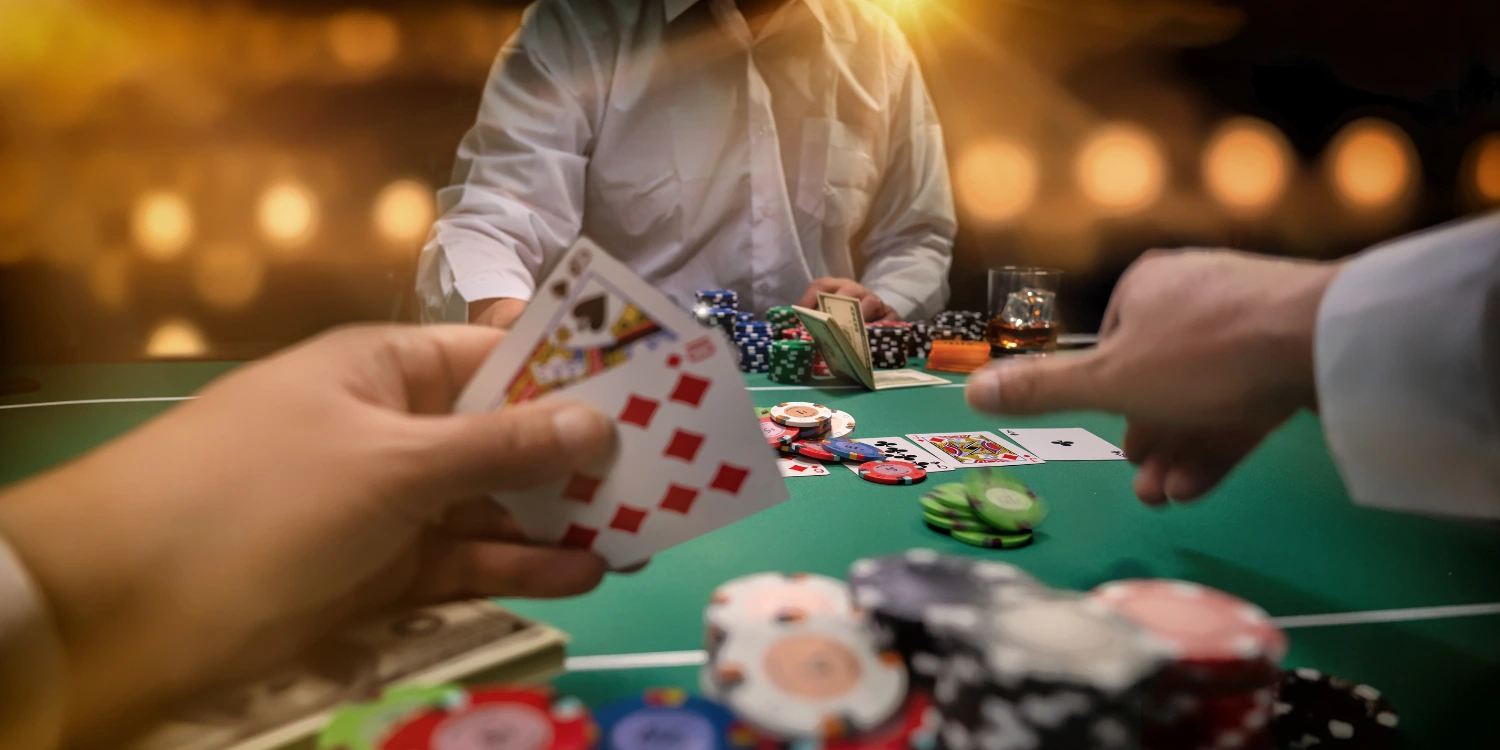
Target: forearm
(31, 660)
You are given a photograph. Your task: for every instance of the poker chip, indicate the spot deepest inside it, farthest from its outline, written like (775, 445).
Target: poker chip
(725, 298)
(770, 597)
(801, 414)
(850, 450)
(954, 495)
(362, 726)
(778, 435)
(809, 679)
(815, 449)
(891, 472)
(932, 507)
(988, 538)
(529, 719)
(842, 425)
(948, 523)
(667, 720)
(1214, 637)
(1313, 709)
(915, 727)
(1003, 501)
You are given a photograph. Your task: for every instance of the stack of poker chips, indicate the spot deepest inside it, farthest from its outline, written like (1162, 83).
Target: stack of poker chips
(963, 325)
(820, 368)
(791, 361)
(783, 316)
(754, 339)
(717, 308)
(397, 722)
(989, 509)
(1319, 710)
(1219, 688)
(889, 343)
(725, 298)
(801, 667)
(921, 340)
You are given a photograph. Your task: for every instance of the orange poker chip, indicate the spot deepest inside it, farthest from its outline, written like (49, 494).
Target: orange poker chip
(958, 356)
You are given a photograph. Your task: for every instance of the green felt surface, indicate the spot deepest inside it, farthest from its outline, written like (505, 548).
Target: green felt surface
(1281, 532)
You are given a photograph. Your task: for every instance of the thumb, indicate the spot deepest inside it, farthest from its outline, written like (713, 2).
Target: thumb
(516, 448)
(1038, 385)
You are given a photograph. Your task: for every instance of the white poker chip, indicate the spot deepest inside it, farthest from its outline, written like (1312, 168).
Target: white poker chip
(770, 597)
(801, 414)
(843, 425)
(812, 679)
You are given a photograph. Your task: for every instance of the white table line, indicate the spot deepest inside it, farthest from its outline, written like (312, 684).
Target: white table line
(609, 662)
(97, 401)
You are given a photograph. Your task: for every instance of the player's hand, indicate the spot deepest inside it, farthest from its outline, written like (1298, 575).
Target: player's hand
(1203, 352)
(496, 313)
(292, 497)
(870, 305)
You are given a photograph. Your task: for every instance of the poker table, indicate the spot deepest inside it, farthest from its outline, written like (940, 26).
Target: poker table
(1406, 603)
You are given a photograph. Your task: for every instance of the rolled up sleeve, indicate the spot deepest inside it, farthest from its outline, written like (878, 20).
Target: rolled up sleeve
(1408, 372)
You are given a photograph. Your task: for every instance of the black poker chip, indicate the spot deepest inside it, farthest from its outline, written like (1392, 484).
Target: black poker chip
(1322, 711)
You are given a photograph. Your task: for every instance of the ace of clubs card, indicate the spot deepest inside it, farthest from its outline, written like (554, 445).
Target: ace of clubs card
(1066, 444)
(687, 458)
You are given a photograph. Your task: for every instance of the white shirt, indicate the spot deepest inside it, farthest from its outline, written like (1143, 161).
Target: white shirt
(700, 157)
(1408, 369)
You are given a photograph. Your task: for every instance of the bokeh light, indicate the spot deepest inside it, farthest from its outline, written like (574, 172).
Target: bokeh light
(175, 339)
(162, 225)
(404, 211)
(364, 40)
(996, 180)
(1247, 164)
(109, 279)
(1485, 158)
(1372, 164)
(1121, 168)
(288, 214)
(228, 275)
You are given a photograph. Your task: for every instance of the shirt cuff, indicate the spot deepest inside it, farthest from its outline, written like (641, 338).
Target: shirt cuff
(31, 662)
(905, 307)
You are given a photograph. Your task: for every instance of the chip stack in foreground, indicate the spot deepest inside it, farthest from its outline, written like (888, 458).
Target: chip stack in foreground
(665, 719)
(551, 723)
(754, 340)
(1317, 710)
(791, 361)
(1219, 685)
(889, 343)
(769, 597)
(1052, 669)
(363, 726)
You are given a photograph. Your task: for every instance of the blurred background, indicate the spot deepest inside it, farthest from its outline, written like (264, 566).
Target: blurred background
(198, 179)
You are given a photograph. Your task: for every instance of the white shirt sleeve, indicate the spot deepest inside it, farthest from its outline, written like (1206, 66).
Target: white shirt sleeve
(517, 202)
(1408, 372)
(31, 663)
(909, 246)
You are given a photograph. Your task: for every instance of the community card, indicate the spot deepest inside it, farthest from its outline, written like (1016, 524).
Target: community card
(901, 449)
(967, 450)
(1065, 444)
(797, 466)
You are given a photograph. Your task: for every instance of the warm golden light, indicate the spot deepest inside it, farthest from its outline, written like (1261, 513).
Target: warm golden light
(1247, 164)
(227, 275)
(162, 225)
(1485, 156)
(1372, 164)
(176, 338)
(288, 214)
(1121, 168)
(995, 180)
(404, 211)
(109, 279)
(364, 40)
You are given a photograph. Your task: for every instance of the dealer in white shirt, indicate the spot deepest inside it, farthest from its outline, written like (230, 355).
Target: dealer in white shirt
(772, 147)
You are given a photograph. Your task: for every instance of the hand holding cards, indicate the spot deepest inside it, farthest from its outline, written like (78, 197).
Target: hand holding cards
(688, 458)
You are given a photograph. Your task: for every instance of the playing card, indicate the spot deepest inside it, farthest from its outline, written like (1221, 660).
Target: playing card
(688, 458)
(901, 449)
(797, 466)
(1066, 444)
(966, 450)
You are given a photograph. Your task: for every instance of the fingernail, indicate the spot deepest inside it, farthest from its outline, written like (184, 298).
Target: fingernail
(580, 428)
(983, 391)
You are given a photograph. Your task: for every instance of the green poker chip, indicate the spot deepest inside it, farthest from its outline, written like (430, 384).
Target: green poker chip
(957, 524)
(1003, 501)
(932, 507)
(952, 495)
(992, 541)
(364, 726)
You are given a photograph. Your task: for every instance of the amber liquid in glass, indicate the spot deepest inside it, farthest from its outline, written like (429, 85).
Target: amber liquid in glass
(1005, 338)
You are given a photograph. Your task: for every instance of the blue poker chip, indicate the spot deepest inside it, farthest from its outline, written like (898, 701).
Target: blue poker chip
(745, 317)
(668, 720)
(849, 450)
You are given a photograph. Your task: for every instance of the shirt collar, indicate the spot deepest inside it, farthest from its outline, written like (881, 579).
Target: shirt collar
(676, 8)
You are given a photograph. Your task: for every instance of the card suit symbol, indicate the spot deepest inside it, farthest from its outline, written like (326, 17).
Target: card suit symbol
(679, 499)
(690, 390)
(639, 411)
(683, 445)
(582, 488)
(700, 349)
(578, 537)
(591, 312)
(580, 261)
(559, 289)
(799, 467)
(628, 519)
(674, 361)
(729, 479)
(1063, 443)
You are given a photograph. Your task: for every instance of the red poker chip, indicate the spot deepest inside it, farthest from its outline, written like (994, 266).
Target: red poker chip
(778, 435)
(527, 719)
(813, 449)
(891, 471)
(1184, 718)
(915, 726)
(1215, 637)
